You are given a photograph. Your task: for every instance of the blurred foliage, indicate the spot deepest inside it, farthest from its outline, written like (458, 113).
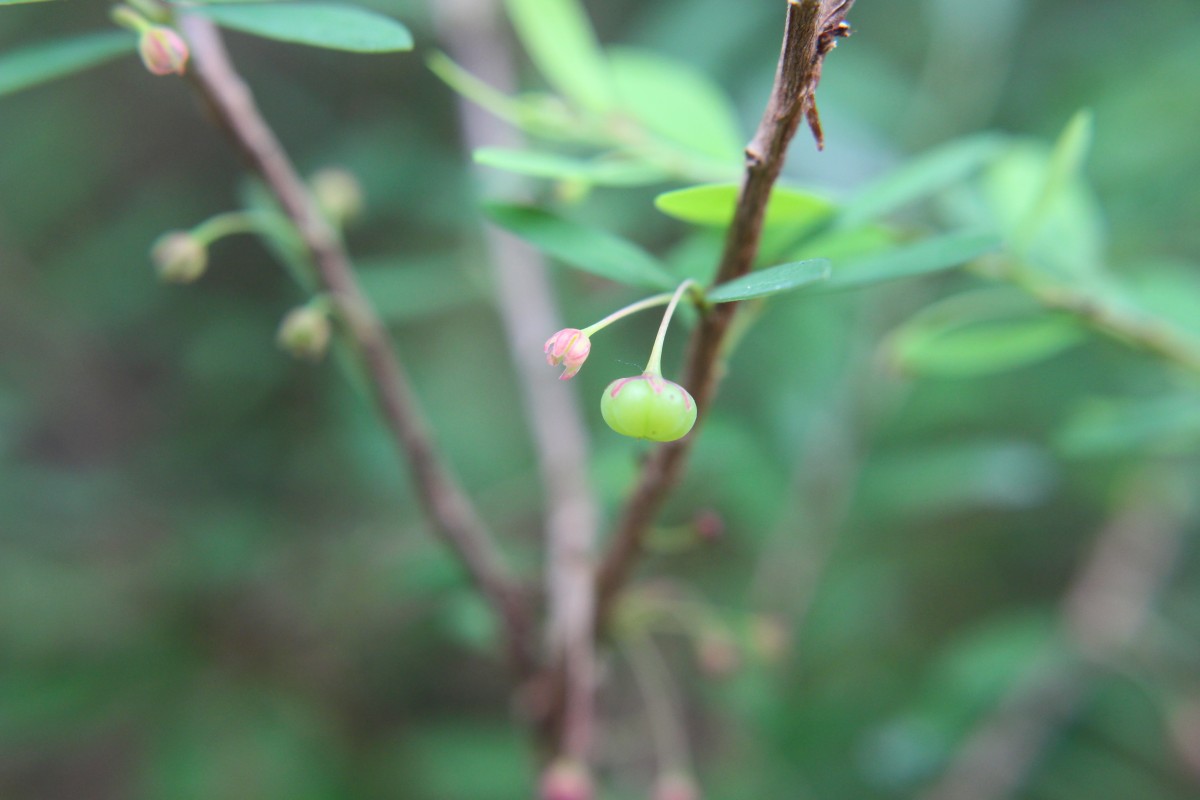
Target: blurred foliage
(214, 581)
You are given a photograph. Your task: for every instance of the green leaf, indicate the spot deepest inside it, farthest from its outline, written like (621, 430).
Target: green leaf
(539, 114)
(925, 257)
(1167, 424)
(597, 171)
(560, 40)
(44, 62)
(674, 101)
(981, 333)
(18, 2)
(315, 24)
(769, 281)
(1066, 163)
(922, 177)
(582, 247)
(714, 204)
(1068, 242)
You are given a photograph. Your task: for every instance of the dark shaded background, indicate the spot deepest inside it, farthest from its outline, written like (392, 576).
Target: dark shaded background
(214, 582)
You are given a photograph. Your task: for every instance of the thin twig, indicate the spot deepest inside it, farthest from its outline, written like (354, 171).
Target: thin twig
(812, 27)
(1121, 322)
(447, 506)
(526, 303)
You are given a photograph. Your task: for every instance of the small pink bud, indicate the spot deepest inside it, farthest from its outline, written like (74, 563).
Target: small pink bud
(709, 525)
(179, 257)
(569, 347)
(675, 786)
(566, 780)
(769, 638)
(717, 654)
(163, 51)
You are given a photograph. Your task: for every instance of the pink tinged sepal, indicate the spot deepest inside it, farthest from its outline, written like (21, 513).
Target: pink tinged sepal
(569, 347)
(163, 51)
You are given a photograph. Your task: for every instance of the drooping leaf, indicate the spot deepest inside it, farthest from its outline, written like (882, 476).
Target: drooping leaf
(769, 281)
(922, 177)
(676, 102)
(714, 204)
(39, 63)
(597, 171)
(922, 258)
(315, 24)
(589, 249)
(981, 333)
(559, 38)
(474, 89)
(1107, 426)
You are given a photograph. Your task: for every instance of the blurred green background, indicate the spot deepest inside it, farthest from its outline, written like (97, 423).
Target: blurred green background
(215, 583)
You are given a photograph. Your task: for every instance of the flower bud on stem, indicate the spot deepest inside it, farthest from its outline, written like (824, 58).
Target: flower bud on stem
(163, 51)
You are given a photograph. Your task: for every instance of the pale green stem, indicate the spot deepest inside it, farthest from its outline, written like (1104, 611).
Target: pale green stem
(654, 365)
(661, 703)
(126, 17)
(633, 308)
(230, 223)
(152, 10)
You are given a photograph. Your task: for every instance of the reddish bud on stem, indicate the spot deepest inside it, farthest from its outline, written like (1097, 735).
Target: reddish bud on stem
(566, 780)
(163, 51)
(569, 347)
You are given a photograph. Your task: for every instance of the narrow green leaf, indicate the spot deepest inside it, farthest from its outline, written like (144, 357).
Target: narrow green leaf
(597, 171)
(962, 348)
(677, 103)
(1108, 426)
(559, 38)
(714, 204)
(18, 2)
(1066, 161)
(44, 62)
(477, 91)
(1068, 240)
(582, 247)
(922, 177)
(315, 24)
(769, 281)
(926, 256)
(538, 114)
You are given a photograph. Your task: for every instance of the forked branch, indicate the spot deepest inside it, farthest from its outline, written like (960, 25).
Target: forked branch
(813, 27)
(445, 503)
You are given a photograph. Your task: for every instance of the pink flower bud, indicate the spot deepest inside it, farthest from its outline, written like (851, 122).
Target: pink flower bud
(163, 51)
(569, 347)
(717, 654)
(675, 786)
(566, 780)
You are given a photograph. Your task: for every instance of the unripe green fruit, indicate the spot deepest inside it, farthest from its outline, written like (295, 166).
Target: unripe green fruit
(648, 407)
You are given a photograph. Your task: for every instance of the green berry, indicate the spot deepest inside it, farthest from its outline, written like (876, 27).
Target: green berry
(648, 407)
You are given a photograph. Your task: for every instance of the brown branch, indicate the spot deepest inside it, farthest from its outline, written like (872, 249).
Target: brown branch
(448, 508)
(812, 28)
(525, 300)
